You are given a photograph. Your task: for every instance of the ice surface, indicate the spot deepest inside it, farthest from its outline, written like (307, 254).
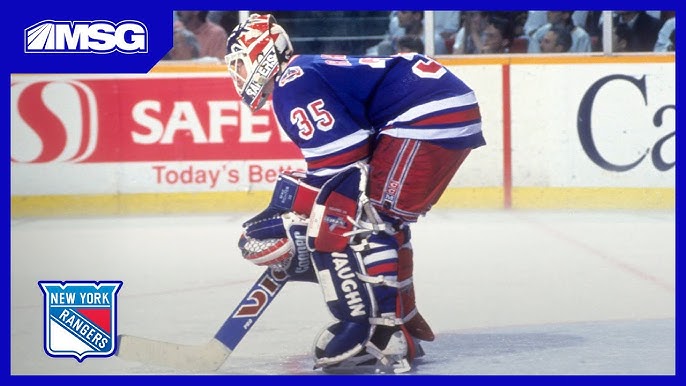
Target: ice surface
(507, 292)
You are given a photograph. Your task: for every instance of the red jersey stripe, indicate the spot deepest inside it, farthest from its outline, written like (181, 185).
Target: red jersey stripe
(454, 117)
(345, 158)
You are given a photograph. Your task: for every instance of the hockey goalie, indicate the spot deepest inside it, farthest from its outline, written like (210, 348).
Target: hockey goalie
(382, 138)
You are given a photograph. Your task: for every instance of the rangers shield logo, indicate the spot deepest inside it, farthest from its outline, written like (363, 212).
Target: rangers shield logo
(80, 318)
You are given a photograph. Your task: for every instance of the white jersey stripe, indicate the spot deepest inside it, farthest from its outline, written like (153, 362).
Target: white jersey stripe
(337, 145)
(388, 254)
(431, 134)
(332, 171)
(434, 106)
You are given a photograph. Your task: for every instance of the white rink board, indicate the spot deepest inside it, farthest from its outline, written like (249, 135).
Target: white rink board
(147, 177)
(629, 120)
(546, 145)
(484, 166)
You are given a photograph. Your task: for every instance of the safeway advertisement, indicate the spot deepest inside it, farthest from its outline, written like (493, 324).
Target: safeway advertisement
(135, 134)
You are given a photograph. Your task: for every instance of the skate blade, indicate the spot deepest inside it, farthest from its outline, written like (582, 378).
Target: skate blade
(373, 366)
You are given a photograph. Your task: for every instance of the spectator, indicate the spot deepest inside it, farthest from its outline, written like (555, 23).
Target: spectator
(644, 29)
(394, 29)
(385, 46)
(225, 19)
(556, 40)
(665, 38)
(579, 18)
(594, 29)
(446, 24)
(621, 34)
(518, 21)
(402, 23)
(186, 46)
(581, 42)
(520, 40)
(211, 36)
(410, 43)
(412, 22)
(469, 38)
(497, 35)
(534, 21)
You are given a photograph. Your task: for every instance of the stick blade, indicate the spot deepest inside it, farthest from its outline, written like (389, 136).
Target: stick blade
(203, 358)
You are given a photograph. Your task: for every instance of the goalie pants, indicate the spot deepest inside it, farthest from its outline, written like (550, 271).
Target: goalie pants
(408, 176)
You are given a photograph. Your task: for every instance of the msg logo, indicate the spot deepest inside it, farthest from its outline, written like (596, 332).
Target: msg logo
(100, 36)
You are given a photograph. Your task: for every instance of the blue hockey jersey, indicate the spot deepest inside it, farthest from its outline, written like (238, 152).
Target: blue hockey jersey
(334, 107)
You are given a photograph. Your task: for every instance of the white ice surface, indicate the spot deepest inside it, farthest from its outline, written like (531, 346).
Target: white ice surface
(507, 292)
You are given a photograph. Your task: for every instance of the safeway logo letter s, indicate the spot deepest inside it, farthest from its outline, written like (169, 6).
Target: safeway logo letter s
(53, 121)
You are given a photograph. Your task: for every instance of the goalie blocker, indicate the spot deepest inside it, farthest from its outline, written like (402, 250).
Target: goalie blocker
(290, 194)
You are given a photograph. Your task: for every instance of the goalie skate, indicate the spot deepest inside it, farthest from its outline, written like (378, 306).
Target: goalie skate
(388, 352)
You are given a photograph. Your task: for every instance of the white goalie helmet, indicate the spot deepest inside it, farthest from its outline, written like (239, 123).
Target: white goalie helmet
(256, 48)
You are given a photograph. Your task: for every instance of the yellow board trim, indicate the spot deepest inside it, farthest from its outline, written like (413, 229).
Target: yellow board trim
(556, 59)
(593, 198)
(593, 58)
(187, 66)
(453, 198)
(137, 204)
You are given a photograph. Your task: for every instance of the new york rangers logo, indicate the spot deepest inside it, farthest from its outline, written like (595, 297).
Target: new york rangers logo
(335, 222)
(80, 318)
(291, 74)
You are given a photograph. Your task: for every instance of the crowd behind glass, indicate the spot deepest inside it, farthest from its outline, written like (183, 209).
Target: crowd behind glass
(437, 32)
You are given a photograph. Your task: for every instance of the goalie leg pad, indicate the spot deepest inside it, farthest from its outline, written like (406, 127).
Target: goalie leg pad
(347, 296)
(350, 301)
(388, 260)
(363, 336)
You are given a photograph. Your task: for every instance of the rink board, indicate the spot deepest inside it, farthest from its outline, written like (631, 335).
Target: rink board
(594, 132)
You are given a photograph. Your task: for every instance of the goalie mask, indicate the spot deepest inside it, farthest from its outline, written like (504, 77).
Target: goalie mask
(256, 48)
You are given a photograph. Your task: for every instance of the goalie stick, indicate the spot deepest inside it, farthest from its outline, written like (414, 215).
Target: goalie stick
(210, 356)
